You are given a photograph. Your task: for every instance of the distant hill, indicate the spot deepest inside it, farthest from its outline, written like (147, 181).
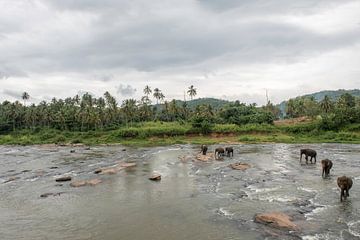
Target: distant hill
(333, 94)
(213, 102)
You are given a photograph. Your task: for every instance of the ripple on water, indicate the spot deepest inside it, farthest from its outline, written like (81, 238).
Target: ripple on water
(354, 228)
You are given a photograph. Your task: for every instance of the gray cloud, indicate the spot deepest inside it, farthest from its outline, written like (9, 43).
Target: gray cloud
(100, 41)
(12, 93)
(126, 90)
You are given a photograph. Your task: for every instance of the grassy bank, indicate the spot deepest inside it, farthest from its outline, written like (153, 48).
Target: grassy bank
(151, 134)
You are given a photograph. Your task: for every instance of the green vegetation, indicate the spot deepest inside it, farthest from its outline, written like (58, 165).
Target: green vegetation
(164, 133)
(90, 120)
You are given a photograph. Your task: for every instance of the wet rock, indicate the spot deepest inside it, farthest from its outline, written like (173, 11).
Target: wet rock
(124, 149)
(54, 167)
(72, 151)
(91, 182)
(127, 165)
(78, 184)
(11, 179)
(205, 158)
(277, 220)
(239, 166)
(63, 179)
(45, 195)
(109, 170)
(155, 177)
(25, 171)
(97, 171)
(87, 148)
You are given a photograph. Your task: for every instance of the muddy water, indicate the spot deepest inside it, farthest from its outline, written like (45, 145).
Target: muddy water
(194, 200)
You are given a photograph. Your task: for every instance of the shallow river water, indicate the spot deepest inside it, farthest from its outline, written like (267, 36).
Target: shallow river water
(194, 199)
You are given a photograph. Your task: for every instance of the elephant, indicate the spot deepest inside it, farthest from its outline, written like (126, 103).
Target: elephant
(344, 183)
(307, 153)
(204, 149)
(220, 152)
(229, 150)
(326, 166)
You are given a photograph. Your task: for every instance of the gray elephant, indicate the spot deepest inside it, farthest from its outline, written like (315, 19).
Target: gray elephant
(204, 149)
(219, 152)
(308, 153)
(326, 166)
(344, 183)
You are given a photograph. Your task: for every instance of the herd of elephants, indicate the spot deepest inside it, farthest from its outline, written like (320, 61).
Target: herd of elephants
(344, 182)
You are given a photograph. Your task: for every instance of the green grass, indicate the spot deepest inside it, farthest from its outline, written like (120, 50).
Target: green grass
(157, 133)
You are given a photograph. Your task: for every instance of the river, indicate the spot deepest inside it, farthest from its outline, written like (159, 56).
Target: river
(193, 200)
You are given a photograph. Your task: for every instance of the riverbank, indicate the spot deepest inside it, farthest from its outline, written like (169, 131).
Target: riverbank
(156, 134)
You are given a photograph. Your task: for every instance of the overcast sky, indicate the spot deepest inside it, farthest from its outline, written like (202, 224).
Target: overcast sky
(226, 48)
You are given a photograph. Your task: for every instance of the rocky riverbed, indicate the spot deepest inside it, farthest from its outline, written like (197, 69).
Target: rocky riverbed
(106, 193)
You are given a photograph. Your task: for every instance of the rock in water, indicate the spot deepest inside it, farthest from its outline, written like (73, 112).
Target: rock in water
(239, 166)
(97, 171)
(277, 220)
(91, 182)
(155, 177)
(11, 179)
(127, 165)
(63, 179)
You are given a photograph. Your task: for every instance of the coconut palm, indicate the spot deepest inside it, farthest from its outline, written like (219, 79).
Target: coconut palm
(326, 104)
(156, 95)
(147, 90)
(25, 96)
(192, 92)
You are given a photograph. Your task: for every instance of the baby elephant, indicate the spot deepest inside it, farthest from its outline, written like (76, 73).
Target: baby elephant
(204, 149)
(220, 152)
(229, 150)
(344, 183)
(326, 166)
(307, 153)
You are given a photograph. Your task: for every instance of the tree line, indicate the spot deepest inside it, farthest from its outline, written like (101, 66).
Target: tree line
(333, 114)
(86, 112)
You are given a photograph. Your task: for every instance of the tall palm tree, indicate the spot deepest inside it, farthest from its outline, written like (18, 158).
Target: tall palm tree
(192, 92)
(161, 97)
(147, 90)
(25, 96)
(326, 105)
(156, 95)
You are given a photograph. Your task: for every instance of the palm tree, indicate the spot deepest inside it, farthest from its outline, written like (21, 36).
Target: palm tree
(156, 95)
(192, 92)
(161, 97)
(326, 105)
(25, 96)
(147, 90)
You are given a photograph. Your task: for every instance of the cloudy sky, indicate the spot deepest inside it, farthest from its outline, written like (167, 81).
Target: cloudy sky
(226, 48)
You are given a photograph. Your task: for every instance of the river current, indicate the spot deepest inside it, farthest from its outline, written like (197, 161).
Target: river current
(193, 200)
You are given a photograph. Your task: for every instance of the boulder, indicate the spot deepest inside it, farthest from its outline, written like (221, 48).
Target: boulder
(97, 171)
(91, 182)
(63, 179)
(239, 166)
(26, 170)
(127, 165)
(155, 177)
(109, 170)
(72, 151)
(277, 220)
(205, 158)
(78, 184)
